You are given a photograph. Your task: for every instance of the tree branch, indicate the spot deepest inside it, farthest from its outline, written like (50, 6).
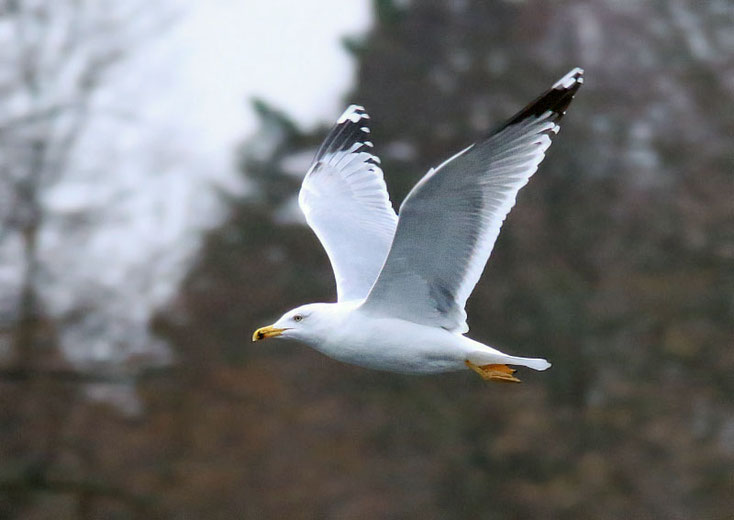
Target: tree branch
(34, 482)
(24, 374)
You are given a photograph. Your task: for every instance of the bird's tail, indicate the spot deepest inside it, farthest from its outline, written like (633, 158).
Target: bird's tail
(488, 355)
(534, 363)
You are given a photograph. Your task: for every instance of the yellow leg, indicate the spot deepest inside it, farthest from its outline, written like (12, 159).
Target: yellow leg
(498, 373)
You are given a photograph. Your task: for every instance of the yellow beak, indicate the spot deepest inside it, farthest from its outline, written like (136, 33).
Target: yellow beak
(266, 332)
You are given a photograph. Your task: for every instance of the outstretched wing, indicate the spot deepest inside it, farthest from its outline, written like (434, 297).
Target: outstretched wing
(346, 204)
(450, 220)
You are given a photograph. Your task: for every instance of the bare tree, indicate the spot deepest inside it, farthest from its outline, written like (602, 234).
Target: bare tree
(56, 57)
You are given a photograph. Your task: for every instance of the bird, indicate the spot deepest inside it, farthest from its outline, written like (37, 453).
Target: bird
(402, 280)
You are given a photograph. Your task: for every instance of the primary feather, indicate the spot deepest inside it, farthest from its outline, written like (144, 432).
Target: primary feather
(345, 202)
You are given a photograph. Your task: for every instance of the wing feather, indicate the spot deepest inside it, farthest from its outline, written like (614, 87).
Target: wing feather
(450, 220)
(345, 201)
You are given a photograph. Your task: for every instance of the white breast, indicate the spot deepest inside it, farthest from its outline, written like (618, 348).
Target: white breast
(392, 344)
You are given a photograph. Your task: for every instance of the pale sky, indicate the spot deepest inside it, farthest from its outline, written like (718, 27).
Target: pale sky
(223, 52)
(166, 137)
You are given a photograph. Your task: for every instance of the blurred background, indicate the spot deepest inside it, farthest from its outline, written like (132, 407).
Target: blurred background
(150, 154)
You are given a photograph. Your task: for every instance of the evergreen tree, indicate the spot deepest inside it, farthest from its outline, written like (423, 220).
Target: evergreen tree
(613, 265)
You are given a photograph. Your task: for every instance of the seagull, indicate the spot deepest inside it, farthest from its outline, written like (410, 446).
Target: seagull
(402, 280)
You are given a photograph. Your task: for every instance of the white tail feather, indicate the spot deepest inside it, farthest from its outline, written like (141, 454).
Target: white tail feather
(534, 363)
(488, 356)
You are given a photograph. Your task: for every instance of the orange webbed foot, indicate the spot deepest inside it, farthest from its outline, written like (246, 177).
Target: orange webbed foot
(497, 373)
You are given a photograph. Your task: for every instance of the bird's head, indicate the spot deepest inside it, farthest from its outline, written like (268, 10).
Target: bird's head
(305, 323)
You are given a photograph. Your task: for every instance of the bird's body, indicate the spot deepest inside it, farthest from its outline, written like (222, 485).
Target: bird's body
(402, 281)
(347, 333)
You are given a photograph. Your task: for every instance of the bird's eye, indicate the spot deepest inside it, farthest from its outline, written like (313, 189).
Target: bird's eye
(297, 317)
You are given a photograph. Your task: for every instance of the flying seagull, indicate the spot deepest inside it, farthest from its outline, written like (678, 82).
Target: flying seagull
(402, 281)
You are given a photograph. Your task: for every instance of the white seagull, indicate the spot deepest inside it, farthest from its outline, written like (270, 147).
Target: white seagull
(402, 281)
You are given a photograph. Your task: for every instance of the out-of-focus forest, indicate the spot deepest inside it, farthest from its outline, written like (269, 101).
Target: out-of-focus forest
(617, 264)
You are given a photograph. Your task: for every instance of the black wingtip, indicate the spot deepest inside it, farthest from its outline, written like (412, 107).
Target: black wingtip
(556, 99)
(351, 127)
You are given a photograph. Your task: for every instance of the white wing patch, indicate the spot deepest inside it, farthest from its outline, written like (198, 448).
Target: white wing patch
(345, 201)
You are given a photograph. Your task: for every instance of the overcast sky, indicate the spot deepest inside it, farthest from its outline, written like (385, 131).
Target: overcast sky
(164, 137)
(223, 52)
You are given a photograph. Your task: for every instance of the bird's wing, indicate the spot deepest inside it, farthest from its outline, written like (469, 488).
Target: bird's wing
(450, 220)
(346, 203)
